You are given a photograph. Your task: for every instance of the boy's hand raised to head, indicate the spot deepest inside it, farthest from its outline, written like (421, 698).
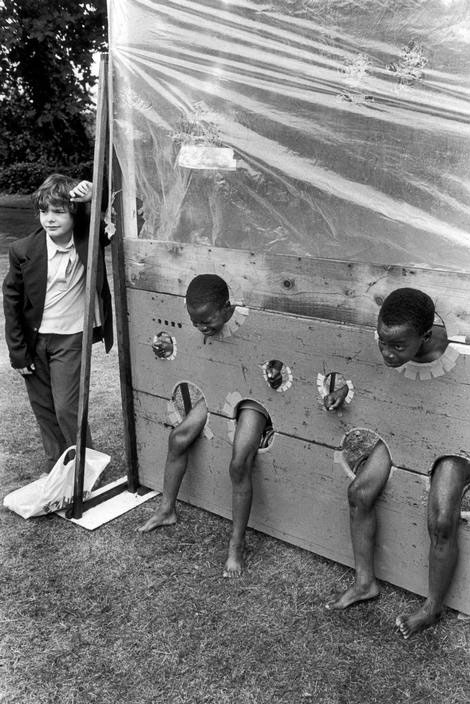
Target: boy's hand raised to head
(82, 192)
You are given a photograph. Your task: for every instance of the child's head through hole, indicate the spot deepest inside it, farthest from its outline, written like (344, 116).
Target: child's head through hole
(208, 304)
(406, 329)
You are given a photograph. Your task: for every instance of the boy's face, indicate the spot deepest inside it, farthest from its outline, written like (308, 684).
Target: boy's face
(209, 318)
(398, 344)
(57, 222)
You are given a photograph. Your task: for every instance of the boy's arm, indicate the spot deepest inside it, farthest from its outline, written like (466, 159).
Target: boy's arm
(82, 193)
(13, 297)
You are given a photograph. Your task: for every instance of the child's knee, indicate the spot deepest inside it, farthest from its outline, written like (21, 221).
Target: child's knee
(451, 469)
(61, 410)
(359, 497)
(177, 442)
(66, 413)
(240, 467)
(381, 455)
(443, 525)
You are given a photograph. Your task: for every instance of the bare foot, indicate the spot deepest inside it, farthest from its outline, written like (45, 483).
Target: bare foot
(234, 563)
(160, 517)
(424, 617)
(353, 595)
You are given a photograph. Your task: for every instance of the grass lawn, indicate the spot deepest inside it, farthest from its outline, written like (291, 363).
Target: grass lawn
(118, 616)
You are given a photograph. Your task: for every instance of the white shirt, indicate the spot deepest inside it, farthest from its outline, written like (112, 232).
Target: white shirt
(64, 305)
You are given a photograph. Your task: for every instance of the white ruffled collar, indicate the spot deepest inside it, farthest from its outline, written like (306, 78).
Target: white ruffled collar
(232, 325)
(429, 370)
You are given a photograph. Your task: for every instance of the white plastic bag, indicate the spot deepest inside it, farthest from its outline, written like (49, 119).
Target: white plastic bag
(54, 491)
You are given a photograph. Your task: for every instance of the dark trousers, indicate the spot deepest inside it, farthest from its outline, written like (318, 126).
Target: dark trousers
(53, 390)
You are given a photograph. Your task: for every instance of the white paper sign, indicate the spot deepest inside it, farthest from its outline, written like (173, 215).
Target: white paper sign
(193, 156)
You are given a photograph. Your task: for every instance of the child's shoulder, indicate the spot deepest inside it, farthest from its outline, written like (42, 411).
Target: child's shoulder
(435, 346)
(439, 336)
(235, 321)
(23, 244)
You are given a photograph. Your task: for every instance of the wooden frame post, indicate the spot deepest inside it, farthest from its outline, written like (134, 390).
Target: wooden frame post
(90, 287)
(122, 333)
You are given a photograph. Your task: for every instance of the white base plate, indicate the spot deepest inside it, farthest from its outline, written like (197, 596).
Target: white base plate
(112, 508)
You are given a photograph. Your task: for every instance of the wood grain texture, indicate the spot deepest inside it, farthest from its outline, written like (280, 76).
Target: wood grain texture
(349, 292)
(123, 342)
(300, 496)
(315, 316)
(419, 420)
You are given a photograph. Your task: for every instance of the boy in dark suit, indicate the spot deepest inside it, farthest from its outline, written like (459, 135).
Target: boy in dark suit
(44, 304)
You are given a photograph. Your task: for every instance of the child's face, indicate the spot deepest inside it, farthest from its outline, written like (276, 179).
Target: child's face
(57, 222)
(209, 318)
(398, 344)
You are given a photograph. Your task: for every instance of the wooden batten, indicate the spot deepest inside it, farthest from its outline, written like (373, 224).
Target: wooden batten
(348, 292)
(123, 342)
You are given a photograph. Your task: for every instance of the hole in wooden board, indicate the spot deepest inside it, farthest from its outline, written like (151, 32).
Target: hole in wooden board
(335, 390)
(184, 397)
(267, 436)
(357, 445)
(277, 375)
(164, 345)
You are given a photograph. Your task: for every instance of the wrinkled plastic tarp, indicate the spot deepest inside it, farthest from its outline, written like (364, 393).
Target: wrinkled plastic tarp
(322, 128)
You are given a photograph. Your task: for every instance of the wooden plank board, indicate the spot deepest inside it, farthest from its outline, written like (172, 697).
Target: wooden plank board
(122, 335)
(300, 496)
(349, 292)
(419, 420)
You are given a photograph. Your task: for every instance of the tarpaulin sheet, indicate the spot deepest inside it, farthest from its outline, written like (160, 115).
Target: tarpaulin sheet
(324, 128)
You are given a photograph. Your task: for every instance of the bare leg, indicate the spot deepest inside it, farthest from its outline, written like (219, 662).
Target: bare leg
(370, 480)
(450, 476)
(180, 441)
(250, 426)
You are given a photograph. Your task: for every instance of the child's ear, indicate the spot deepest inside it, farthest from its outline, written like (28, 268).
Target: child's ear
(427, 335)
(227, 307)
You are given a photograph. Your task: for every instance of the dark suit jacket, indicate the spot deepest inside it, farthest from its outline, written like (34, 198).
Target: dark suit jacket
(24, 293)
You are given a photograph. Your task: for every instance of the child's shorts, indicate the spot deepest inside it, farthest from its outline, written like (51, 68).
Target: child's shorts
(268, 431)
(367, 445)
(253, 406)
(361, 461)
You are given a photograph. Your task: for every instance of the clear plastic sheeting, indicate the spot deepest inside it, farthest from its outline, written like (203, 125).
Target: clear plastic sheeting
(323, 128)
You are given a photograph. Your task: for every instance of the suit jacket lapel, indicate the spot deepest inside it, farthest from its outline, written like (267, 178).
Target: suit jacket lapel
(35, 270)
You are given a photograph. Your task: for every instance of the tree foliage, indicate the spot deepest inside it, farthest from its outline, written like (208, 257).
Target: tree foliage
(46, 58)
